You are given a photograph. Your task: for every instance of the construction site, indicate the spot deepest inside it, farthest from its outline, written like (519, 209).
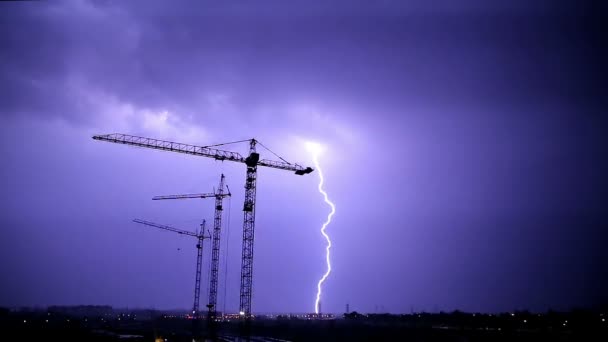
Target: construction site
(205, 323)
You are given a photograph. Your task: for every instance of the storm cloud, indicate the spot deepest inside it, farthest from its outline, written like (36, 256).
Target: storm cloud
(463, 150)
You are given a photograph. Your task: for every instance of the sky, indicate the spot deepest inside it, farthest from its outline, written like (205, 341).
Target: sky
(462, 149)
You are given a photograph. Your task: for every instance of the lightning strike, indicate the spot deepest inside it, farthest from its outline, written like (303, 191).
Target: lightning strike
(315, 149)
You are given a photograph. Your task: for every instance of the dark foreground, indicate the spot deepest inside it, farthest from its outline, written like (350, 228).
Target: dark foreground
(147, 325)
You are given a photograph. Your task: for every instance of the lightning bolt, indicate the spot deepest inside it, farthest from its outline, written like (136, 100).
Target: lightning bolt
(327, 222)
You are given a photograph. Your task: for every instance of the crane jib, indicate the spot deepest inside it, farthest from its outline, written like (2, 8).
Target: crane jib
(252, 160)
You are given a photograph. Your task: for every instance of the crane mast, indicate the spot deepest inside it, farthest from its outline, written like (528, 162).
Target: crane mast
(248, 232)
(215, 250)
(199, 267)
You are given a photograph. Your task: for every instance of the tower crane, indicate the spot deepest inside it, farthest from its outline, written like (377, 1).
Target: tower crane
(200, 236)
(219, 196)
(252, 161)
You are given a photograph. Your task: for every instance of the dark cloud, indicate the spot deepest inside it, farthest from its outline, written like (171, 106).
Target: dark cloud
(167, 56)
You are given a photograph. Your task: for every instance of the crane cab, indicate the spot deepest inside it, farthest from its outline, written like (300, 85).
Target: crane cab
(252, 160)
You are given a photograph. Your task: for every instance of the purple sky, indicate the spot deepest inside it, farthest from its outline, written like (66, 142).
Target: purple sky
(463, 151)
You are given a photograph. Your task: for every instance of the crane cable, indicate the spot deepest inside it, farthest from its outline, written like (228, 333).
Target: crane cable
(228, 143)
(269, 150)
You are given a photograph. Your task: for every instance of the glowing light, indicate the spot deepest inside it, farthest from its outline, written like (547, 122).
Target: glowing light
(242, 313)
(315, 149)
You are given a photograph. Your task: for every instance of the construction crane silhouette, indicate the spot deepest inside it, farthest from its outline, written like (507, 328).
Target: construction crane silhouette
(219, 196)
(200, 236)
(252, 161)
